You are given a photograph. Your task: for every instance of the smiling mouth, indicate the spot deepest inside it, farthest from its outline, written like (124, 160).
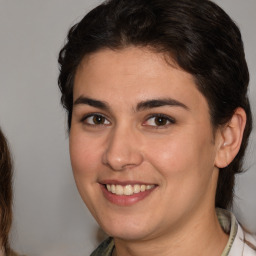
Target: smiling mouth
(128, 190)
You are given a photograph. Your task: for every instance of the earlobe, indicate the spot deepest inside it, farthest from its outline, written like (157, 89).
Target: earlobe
(230, 139)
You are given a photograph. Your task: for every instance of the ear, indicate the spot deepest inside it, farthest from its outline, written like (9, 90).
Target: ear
(230, 139)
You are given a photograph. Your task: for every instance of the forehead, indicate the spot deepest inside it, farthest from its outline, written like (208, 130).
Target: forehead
(134, 74)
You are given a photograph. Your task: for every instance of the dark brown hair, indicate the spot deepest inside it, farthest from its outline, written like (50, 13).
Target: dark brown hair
(5, 193)
(197, 34)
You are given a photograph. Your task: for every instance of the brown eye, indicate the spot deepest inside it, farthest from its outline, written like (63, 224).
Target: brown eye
(96, 119)
(159, 120)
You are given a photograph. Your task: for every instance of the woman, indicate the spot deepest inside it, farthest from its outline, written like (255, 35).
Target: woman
(159, 120)
(5, 194)
(5, 197)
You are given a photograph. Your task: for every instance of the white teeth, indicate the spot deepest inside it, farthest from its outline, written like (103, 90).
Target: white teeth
(127, 189)
(112, 189)
(149, 187)
(119, 190)
(136, 189)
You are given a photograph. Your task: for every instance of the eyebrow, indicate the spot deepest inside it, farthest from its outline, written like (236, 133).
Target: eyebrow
(91, 102)
(154, 103)
(147, 104)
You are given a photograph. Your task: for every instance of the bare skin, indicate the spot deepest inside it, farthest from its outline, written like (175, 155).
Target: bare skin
(140, 121)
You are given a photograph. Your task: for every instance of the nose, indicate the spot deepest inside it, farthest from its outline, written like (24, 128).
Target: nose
(122, 150)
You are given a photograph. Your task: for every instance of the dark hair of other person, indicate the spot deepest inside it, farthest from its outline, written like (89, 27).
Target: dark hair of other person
(197, 34)
(5, 193)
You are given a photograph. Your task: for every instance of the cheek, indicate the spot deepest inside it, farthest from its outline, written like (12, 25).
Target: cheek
(182, 155)
(85, 156)
(85, 163)
(185, 164)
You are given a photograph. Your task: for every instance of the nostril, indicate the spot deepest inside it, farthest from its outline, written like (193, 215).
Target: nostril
(124, 163)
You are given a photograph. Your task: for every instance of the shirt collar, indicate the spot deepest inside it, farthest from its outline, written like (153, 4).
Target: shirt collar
(229, 224)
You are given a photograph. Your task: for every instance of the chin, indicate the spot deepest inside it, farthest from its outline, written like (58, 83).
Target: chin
(126, 229)
(129, 235)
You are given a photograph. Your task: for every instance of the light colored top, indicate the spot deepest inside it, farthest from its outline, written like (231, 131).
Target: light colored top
(240, 243)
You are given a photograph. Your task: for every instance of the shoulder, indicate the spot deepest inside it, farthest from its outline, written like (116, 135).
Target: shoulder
(244, 244)
(105, 248)
(241, 242)
(249, 244)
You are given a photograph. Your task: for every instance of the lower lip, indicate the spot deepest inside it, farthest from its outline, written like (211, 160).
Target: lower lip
(125, 200)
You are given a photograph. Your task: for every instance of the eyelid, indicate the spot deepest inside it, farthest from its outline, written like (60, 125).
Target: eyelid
(83, 119)
(170, 120)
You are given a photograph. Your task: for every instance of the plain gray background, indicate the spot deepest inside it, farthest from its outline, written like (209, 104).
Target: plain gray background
(49, 216)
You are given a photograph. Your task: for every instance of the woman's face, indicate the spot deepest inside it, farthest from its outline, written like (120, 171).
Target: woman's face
(141, 144)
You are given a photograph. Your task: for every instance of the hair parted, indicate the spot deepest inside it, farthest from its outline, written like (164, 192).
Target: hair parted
(197, 34)
(5, 193)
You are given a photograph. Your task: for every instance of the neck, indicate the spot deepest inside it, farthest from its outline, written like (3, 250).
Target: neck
(203, 235)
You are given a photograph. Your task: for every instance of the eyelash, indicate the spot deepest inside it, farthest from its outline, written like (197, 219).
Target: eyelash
(167, 120)
(95, 115)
